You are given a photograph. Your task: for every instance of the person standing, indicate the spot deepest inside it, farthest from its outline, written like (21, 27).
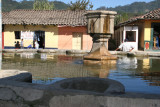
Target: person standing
(22, 44)
(36, 44)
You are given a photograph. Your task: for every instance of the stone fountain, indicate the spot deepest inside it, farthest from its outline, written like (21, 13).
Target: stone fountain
(100, 28)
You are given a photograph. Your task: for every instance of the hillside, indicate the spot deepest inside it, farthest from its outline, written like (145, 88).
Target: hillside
(8, 5)
(136, 7)
(124, 12)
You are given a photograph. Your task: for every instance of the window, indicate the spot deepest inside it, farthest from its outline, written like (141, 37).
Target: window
(17, 34)
(131, 36)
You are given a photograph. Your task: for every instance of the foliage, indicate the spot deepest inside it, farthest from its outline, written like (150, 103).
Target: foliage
(26, 4)
(60, 5)
(81, 5)
(124, 12)
(136, 7)
(122, 17)
(132, 10)
(43, 5)
(8, 5)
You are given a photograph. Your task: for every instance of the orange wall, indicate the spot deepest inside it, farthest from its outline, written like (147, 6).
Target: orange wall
(65, 37)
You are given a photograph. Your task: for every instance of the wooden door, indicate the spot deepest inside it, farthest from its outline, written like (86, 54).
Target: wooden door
(77, 41)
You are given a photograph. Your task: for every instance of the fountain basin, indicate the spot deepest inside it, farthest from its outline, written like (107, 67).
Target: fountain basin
(91, 85)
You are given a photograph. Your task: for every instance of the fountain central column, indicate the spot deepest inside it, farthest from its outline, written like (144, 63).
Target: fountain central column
(101, 28)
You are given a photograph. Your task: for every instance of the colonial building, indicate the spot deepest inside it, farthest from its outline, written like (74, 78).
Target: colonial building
(142, 31)
(53, 29)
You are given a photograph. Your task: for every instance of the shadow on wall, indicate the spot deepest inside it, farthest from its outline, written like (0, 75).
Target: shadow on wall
(111, 44)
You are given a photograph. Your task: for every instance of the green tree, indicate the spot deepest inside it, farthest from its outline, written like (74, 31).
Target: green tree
(8, 5)
(43, 5)
(121, 17)
(81, 5)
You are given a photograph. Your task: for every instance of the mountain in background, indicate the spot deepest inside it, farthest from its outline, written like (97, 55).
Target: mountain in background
(136, 7)
(8, 5)
(124, 12)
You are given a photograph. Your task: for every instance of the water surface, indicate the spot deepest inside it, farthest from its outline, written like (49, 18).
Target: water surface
(137, 74)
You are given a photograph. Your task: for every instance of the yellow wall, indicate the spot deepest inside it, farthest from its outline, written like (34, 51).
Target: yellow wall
(51, 35)
(147, 31)
(141, 35)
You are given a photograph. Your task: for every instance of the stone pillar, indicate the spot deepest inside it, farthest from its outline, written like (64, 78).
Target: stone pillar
(100, 27)
(99, 40)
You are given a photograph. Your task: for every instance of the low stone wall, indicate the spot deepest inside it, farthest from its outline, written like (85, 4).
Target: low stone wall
(82, 52)
(18, 94)
(16, 75)
(45, 51)
(14, 93)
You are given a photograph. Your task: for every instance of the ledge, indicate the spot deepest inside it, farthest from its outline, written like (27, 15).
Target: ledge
(14, 93)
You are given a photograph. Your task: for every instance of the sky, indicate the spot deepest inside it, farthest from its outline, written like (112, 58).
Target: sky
(106, 3)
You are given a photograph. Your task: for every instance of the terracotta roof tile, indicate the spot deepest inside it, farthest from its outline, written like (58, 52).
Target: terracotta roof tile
(154, 15)
(45, 17)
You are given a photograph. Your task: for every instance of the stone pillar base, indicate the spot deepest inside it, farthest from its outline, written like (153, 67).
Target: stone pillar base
(99, 55)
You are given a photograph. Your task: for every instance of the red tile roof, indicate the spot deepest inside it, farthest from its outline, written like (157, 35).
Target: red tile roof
(154, 15)
(45, 17)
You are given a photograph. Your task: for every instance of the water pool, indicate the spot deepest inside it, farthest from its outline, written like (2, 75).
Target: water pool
(137, 74)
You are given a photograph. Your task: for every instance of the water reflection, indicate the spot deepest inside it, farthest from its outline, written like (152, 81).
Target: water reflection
(0, 61)
(127, 63)
(27, 55)
(101, 70)
(137, 74)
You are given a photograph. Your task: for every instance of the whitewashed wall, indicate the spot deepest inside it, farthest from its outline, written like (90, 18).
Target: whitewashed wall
(131, 28)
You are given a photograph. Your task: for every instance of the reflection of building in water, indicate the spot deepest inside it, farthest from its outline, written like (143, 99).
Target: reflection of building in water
(146, 65)
(101, 70)
(8, 55)
(152, 80)
(127, 62)
(48, 68)
(151, 71)
(64, 58)
(27, 55)
(0, 60)
(50, 56)
(45, 56)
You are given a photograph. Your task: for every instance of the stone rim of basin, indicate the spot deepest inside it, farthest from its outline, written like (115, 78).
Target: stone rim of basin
(90, 85)
(16, 75)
